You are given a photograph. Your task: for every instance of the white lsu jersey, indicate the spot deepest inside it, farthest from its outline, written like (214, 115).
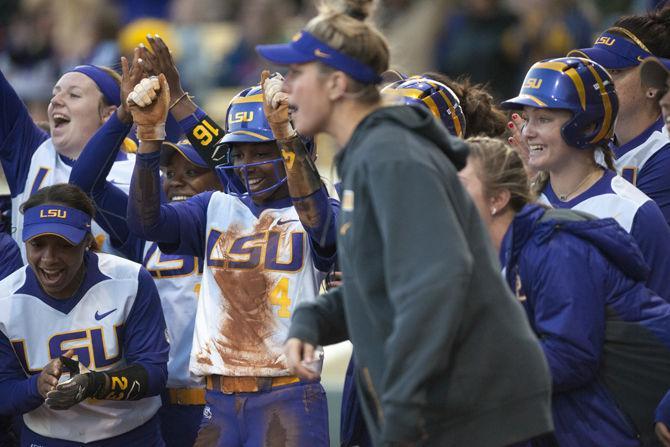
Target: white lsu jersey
(628, 165)
(39, 332)
(621, 202)
(257, 271)
(177, 279)
(46, 169)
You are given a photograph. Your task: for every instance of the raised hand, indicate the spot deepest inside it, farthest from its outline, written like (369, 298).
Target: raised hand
(160, 61)
(275, 105)
(519, 142)
(149, 103)
(130, 76)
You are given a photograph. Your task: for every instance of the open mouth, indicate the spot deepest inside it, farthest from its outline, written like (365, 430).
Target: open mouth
(60, 120)
(178, 198)
(536, 148)
(51, 277)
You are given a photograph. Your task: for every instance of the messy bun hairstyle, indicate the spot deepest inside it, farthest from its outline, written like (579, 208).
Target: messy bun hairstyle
(343, 25)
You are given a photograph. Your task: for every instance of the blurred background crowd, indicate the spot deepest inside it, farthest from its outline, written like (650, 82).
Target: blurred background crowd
(493, 41)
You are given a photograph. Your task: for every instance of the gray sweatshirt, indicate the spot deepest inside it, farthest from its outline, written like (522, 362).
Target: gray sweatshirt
(445, 354)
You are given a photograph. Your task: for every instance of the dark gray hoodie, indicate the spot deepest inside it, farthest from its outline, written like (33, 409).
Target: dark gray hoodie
(445, 354)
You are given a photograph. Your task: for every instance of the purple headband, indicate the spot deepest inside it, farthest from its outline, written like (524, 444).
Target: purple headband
(63, 221)
(307, 48)
(107, 84)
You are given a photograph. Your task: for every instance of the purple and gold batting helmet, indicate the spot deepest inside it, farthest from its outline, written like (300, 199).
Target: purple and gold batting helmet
(579, 85)
(437, 97)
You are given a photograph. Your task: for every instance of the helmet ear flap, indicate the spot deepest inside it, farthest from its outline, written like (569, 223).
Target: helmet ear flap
(580, 134)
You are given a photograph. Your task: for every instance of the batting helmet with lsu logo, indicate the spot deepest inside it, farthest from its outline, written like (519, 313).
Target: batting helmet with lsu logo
(426, 92)
(246, 123)
(579, 85)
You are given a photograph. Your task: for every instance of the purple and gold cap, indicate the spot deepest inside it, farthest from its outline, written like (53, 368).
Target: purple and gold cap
(69, 223)
(185, 149)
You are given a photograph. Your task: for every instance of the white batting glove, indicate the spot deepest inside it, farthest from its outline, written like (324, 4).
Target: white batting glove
(145, 92)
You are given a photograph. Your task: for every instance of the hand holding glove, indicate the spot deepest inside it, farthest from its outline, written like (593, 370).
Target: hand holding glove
(149, 103)
(275, 105)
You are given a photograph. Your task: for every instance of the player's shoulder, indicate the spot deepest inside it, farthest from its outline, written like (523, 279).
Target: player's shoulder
(13, 282)
(116, 267)
(626, 191)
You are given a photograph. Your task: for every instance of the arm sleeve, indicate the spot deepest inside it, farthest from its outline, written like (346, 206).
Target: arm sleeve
(177, 227)
(19, 137)
(145, 340)
(321, 322)
(568, 309)
(90, 173)
(654, 181)
(652, 234)
(19, 394)
(428, 297)
(10, 256)
(323, 237)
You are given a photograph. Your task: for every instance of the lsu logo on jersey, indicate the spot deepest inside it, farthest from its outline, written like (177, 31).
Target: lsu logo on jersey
(88, 345)
(533, 83)
(162, 265)
(262, 249)
(604, 40)
(241, 117)
(60, 214)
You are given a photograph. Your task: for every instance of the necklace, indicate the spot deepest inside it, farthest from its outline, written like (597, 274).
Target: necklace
(564, 197)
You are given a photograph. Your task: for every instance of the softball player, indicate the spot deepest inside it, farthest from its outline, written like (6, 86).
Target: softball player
(581, 282)
(177, 277)
(570, 107)
(83, 99)
(641, 147)
(265, 243)
(92, 315)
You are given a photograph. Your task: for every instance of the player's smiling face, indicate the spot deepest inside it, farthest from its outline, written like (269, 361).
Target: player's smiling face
(183, 179)
(548, 149)
(308, 100)
(75, 113)
(57, 264)
(261, 176)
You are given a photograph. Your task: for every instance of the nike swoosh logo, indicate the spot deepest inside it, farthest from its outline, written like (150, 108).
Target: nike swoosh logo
(319, 53)
(99, 317)
(283, 222)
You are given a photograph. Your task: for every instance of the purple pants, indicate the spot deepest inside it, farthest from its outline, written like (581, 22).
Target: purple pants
(294, 415)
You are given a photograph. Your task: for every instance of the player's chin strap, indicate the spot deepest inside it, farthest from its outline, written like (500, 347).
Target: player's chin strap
(307, 192)
(129, 383)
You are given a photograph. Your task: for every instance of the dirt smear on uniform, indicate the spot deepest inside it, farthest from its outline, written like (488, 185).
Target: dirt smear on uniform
(248, 319)
(276, 435)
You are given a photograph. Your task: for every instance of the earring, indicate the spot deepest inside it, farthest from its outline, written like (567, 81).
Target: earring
(650, 94)
(493, 211)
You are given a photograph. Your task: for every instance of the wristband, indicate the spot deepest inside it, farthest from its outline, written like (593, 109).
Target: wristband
(147, 132)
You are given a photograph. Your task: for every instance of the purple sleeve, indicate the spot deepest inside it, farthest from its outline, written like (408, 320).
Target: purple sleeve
(567, 309)
(654, 180)
(145, 340)
(90, 173)
(652, 234)
(19, 394)
(177, 227)
(10, 256)
(322, 239)
(19, 137)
